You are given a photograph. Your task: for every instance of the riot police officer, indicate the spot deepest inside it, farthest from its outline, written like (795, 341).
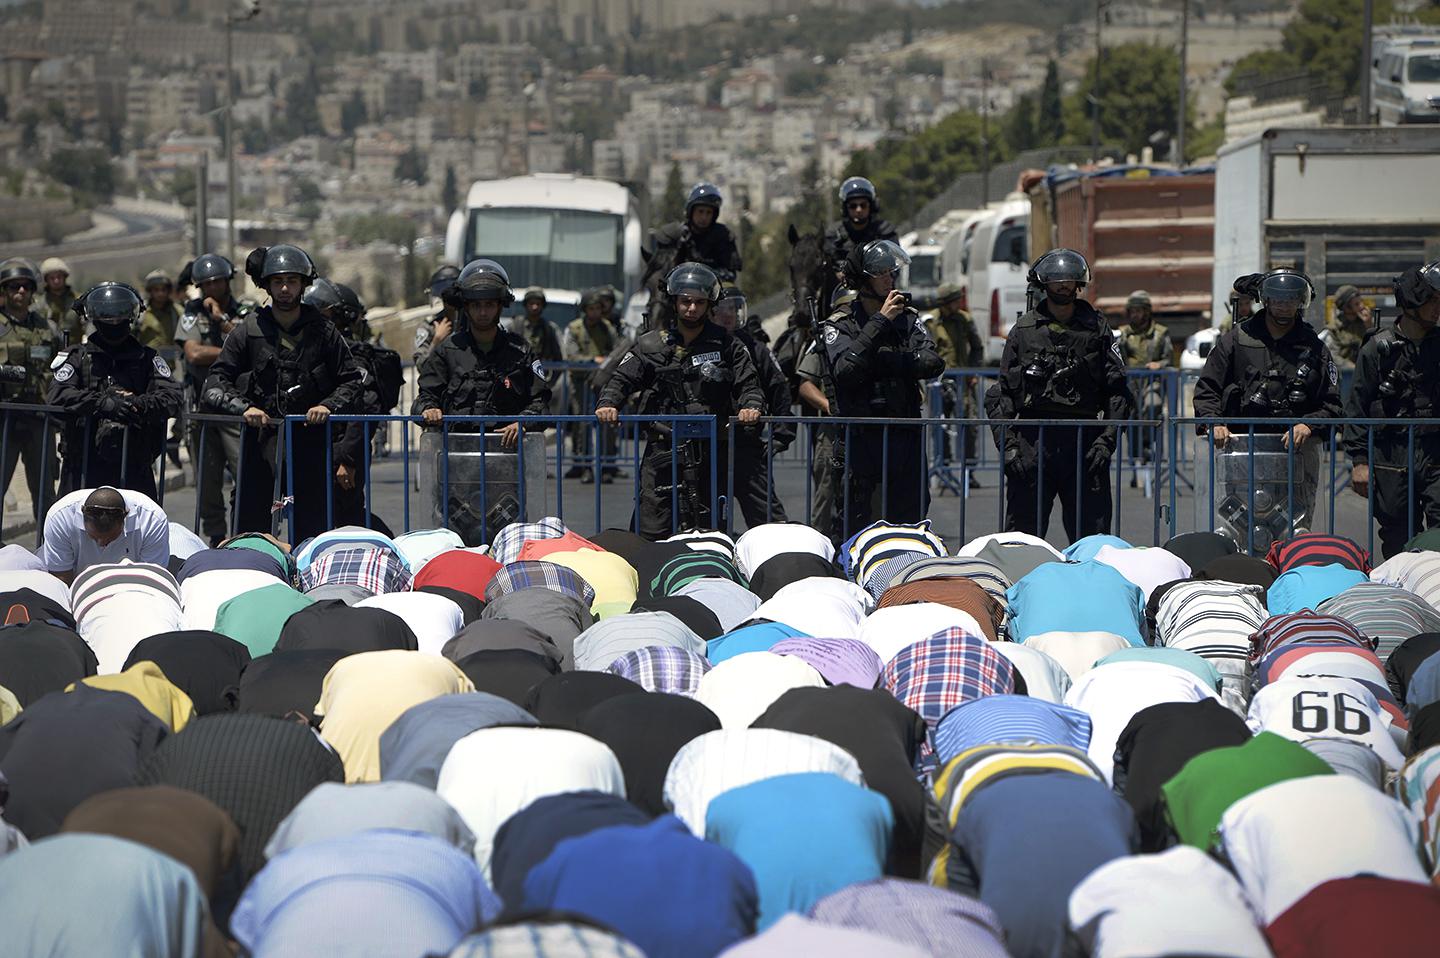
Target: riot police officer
(753, 486)
(1346, 330)
(701, 237)
(859, 222)
(590, 337)
(876, 353)
(284, 359)
(693, 368)
(118, 396)
(442, 323)
(482, 369)
(1060, 362)
(538, 331)
(1274, 366)
(1397, 376)
(28, 343)
(959, 346)
(204, 323)
(1240, 304)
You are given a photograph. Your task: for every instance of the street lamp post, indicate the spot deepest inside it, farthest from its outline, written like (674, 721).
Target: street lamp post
(247, 9)
(1184, 93)
(984, 132)
(1367, 55)
(1100, 6)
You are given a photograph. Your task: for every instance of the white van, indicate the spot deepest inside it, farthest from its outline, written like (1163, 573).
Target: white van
(999, 261)
(1407, 81)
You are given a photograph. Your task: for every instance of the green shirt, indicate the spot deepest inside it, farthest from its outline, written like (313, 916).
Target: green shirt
(1201, 792)
(255, 618)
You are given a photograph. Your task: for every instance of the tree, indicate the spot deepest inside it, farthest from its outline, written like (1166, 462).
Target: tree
(1019, 128)
(1138, 97)
(1260, 65)
(307, 201)
(411, 167)
(1322, 37)
(182, 187)
(86, 169)
(1050, 118)
(449, 190)
(672, 204)
(353, 113)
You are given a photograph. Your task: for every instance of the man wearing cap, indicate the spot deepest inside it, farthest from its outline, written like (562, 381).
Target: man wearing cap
(1144, 343)
(94, 526)
(27, 345)
(161, 317)
(1345, 331)
(960, 347)
(590, 337)
(58, 299)
(539, 334)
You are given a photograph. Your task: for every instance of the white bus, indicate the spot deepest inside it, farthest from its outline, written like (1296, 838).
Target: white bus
(558, 231)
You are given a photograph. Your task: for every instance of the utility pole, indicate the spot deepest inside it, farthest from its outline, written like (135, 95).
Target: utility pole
(1184, 92)
(246, 10)
(984, 133)
(1095, 89)
(202, 203)
(1367, 56)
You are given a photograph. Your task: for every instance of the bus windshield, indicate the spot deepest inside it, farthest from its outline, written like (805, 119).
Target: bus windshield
(923, 269)
(1423, 69)
(557, 249)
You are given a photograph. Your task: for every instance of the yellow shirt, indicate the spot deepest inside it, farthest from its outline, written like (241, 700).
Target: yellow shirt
(615, 581)
(149, 686)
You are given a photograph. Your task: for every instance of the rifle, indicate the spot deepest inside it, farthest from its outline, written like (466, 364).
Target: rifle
(859, 487)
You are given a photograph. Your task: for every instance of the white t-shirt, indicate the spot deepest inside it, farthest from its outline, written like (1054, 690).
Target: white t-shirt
(1289, 838)
(1114, 693)
(1044, 677)
(1417, 572)
(202, 594)
(1077, 652)
(893, 629)
(116, 623)
(1316, 706)
(821, 606)
(1147, 568)
(146, 537)
(434, 619)
(774, 538)
(41, 582)
(1180, 901)
(975, 546)
(184, 543)
(742, 687)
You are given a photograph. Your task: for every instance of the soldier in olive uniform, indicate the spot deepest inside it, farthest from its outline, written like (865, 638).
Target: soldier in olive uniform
(589, 337)
(27, 347)
(538, 332)
(1397, 376)
(959, 345)
(1145, 344)
(204, 324)
(1346, 330)
(58, 301)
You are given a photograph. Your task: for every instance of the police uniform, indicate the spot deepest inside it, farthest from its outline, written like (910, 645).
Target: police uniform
(713, 375)
(285, 373)
(29, 343)
(1059, 370)
(461, 379)
(221, 442)
(112, 439)
(874, 367)
(811, 369)
(754, 487)
(841, 237)
(349, 445)
(1250, 374)
(959, 346)
(713, 246)
(425, 338)
(1398, 378)
(582, 342)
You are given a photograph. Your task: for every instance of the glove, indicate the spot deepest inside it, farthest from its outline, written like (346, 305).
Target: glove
(1021, 464)
(1097, 457)
(782, 436)
(109, 405)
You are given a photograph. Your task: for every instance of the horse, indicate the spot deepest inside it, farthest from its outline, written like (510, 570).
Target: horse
(812, 276)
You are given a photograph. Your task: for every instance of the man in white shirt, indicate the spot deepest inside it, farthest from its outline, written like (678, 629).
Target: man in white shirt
(92, 526)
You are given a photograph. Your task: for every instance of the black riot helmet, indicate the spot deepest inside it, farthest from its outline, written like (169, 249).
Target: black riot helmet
(1415, 286)
(694, 278)
(211, 266)
(704, 194)
(857, 187)
(442, 279)
(321, 294)
(1060, 266)
(481, 280)
(875, 258)
(265, 262)
(114, 308)
(1284, 287)
(19, 269)
(350, 307)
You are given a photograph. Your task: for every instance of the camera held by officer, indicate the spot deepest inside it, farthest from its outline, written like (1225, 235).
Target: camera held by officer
(1274, 368)
(1060, 362)
(1397, 376)
(693, 368)
(118, 396)
(877, 353)
(284, 359)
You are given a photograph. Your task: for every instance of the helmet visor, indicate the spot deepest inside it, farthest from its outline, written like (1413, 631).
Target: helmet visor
(1285, 289)
(1062, 266)
(1430, 275)
(882, 258)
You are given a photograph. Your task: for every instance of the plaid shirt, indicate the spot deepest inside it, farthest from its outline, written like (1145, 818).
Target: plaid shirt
(376, 570)
(934, 675)
(506, 547)
(537, 574)
(662, 668)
